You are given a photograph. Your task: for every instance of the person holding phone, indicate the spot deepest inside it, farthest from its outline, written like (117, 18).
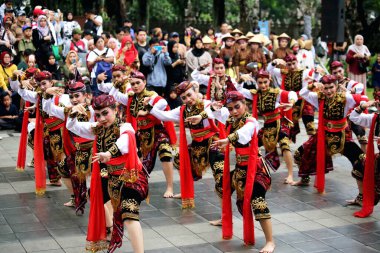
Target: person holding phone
(156, 59)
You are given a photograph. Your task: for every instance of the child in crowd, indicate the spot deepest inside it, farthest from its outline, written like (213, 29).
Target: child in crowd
(9, 116)
(376, 75)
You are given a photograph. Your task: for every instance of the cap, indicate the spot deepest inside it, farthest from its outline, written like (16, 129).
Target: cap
(138, 75)
(174, 34)
(249, 35)
(182, 87)
(237, 31)
(336, 64)
(227, 36)
(26, 27)
(76, 87)
(103, 101)
(255, 39)
(77, 31)
(242, 37)
(234, 96)
(207, 40)
(283, 36)
(20, 13)
(59, 84)
(263, 74)
(293, 43)
(38, 12)
(88, 32)
(326, 79)
(118, 67)
(290, 58)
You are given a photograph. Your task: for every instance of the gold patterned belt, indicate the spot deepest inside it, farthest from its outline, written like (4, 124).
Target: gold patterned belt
(112, 168)
(83, 145)
(271, 116)
(200, 133)
(335, 125)
(241, 158)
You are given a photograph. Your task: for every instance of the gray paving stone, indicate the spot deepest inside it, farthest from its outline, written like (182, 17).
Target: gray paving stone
(45, 241)
(14, 247)
(311, 246)
(202, 248)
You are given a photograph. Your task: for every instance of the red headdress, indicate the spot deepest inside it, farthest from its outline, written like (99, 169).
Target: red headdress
(103, 101)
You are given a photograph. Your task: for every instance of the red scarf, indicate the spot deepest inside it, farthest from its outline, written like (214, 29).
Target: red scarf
(21, 157)
(248, 224)
(131, 54)
(39, 161)
(96, 232)
(321, 150)
(186, 177)
(369, 172)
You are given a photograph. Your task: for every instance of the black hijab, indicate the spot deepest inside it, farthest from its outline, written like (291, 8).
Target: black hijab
(173, 56)
(196, 51)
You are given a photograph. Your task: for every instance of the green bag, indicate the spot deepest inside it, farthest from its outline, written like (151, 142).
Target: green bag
(56, 52)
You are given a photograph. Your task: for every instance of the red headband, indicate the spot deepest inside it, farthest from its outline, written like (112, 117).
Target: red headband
(30, 72)
(218, 61)
(336, 64)
(263, 74)
(118, 67)
(43, 75)
(290, 58)
(138, 75)
(103, 101)
(327, 79)
(234, 96)
(76, 87)
(182, 87)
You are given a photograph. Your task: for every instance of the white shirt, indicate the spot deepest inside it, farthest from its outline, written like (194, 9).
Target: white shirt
(95, 54)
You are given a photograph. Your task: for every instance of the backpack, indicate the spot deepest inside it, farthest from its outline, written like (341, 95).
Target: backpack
(320, 51)
(90, 25)
(103, 66)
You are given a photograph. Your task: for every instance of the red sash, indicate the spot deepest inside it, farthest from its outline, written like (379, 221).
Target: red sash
(21, 157)
(369, 175)
(284, 98)
(39, 161)
(186, 177)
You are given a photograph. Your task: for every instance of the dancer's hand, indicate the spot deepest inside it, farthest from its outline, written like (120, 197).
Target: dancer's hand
(77, 109)
(220, 144)
(147, 100)
(367, 104)
(54, 91)
(286, 106)
(102, 157)
(142, 113)
(217, 105)
(194, 120)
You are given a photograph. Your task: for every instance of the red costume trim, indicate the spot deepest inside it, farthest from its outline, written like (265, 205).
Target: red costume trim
(39, 161)
(369, 178)
(21, 157)
(284, 98)
(186, 178)
(321, 149)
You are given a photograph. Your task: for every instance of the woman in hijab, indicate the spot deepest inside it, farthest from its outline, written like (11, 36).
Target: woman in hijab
(112, 44)
(42, 40)
(357, 58)
(53, 67)
(175, 71)
(128, 55)
(197, 57)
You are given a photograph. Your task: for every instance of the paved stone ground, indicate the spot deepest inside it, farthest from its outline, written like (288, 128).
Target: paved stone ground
(303, 221)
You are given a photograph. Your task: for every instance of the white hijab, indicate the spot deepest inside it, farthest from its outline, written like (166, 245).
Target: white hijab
(359, 49)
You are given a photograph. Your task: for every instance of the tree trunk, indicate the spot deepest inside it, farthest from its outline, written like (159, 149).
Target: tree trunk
(219, 12)
(243, 24)
(144, 13)
(123, 9)
(307, 25)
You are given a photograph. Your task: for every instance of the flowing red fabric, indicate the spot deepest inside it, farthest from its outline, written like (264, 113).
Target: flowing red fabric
(227, 227)
(255, 112)
(21, 157)
(284, 98)
(248, 225)
(39, 161)
(321, 149)
(96, 231)
(131, 54)
(208, 92)
(186, 178)
(369, 176)
(283, 77)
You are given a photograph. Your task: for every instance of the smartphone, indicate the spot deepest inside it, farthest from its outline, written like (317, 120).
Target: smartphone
(158, 48)
(73, 61)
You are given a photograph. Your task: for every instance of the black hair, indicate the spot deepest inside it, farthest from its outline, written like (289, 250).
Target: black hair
(153, 40)
(28, 52)
(3, 95)
(127, 20)
(141, 29)
(119, 29)
(126, 29)
(107, 34)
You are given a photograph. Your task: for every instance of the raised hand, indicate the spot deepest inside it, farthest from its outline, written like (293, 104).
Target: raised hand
(220, 144)
(194, 120)
(102, 157)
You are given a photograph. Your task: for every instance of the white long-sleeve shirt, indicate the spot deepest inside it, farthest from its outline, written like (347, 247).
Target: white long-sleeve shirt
(59, 112)
(204, 79)
(84, 129)
(312, 98)
(361, 119)
(248, 95)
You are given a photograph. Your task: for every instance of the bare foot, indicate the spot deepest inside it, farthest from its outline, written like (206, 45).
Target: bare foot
(70, 203)
(57, 184)
(169, 193)
(268, 248)
(300, 183)
(289, 180)
(216, 222)
(177, 196)
(358, 201)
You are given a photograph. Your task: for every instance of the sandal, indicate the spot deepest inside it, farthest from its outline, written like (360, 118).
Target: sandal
(358, 201)
(71, 202)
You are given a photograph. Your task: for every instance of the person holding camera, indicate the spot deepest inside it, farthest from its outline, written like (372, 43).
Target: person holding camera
(156, 59)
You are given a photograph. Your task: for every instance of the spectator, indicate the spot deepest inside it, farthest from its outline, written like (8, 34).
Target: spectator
(27, 41)
(53, 67)
(128, 23)
(156, 59)
(357, 58)
(112, 44)
(181, 47)
(69, 25)
(283, 47)
(76, 44)
(87, 36)
(256, 54)
(23, 65)
(376, 75)
(339, 51)
(70, 69)
(7, 38)
(142, 47)
(106, 36)
(51, 24)
(176, 71)
(208, 44)
(9, 116)
(241, 56)
(7, 5)
(197, 57)
(228, 49)
(211, 34)
(93, 22)
(127, 54)
(119, 35)
(42, 40)
(190, 34)
(6, 70)
(20, 20)
(98, 56)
